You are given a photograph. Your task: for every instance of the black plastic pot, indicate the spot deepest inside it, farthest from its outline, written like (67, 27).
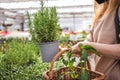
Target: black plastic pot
(48, 50)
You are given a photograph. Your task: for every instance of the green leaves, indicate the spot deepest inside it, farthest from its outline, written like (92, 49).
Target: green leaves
(84, 74)
(44, 27)
(65, 62)
(85, 49)
(21, 52)
(89, 48)
(68, 60)
(74, 75)
(84, 55)
(21, 61)
(71, 62)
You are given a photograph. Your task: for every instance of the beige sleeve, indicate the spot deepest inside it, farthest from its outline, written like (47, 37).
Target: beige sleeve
(89, 37)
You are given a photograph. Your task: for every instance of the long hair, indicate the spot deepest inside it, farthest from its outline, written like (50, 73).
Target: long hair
(104, 9)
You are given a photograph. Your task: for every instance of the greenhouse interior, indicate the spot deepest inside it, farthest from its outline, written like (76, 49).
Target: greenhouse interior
(59, 39)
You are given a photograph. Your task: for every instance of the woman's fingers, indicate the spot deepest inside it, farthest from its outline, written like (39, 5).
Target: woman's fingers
(76, 49)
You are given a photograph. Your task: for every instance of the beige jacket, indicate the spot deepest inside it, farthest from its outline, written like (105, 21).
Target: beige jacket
(104, 32)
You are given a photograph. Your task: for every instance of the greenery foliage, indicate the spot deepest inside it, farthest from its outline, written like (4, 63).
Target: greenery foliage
(20, 61)
(44, 27)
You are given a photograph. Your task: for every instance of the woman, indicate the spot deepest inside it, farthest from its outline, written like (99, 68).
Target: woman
(103, 38)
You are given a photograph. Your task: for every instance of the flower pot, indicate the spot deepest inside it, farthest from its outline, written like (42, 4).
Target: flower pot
(48, 50)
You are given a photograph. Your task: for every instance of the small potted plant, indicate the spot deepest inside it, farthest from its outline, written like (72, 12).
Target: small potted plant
(45, 29)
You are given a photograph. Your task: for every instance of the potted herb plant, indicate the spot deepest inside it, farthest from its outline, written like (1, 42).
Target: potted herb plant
(45, 29)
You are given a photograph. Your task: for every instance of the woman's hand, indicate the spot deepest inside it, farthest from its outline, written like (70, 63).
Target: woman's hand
(76, 49)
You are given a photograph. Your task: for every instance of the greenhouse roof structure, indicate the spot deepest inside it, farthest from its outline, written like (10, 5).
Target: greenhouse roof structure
(68, 10)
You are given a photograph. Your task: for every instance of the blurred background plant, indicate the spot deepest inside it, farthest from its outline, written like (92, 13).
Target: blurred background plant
(67, 39)
(21, 61)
